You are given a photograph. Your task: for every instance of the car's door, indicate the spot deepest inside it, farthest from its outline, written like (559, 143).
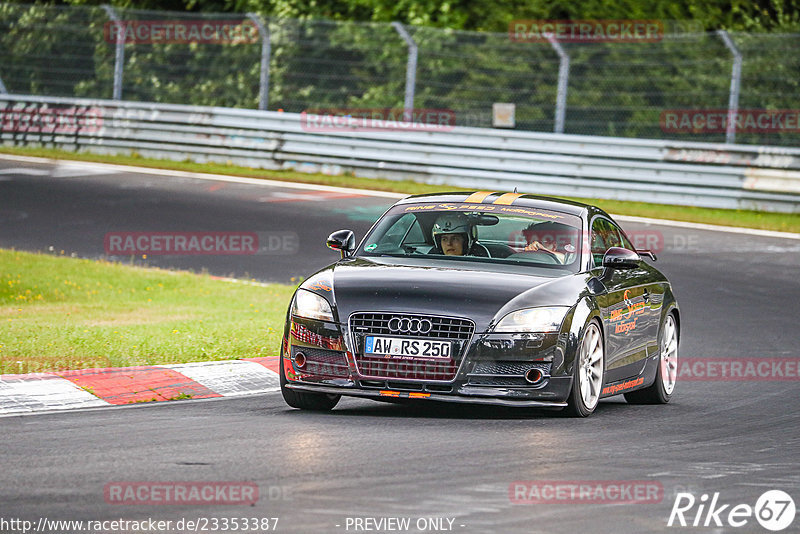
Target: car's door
(653, 290)
(623, 306)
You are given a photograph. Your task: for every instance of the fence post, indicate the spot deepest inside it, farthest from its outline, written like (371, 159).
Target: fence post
(736, 80)
(119, 58)
(266, 51)
(411, 65)
(3, 87)
(563, 81)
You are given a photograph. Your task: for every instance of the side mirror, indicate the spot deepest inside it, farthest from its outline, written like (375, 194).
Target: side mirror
(621, 258)
(342, 240)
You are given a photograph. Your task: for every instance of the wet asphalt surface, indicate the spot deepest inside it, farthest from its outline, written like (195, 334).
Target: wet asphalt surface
(739, 297)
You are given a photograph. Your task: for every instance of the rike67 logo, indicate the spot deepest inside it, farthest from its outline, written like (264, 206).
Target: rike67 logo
(774, 510)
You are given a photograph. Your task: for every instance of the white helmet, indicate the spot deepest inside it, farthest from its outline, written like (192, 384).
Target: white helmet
(454, 223)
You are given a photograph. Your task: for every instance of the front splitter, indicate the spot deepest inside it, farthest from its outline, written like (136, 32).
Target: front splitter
(414, 395)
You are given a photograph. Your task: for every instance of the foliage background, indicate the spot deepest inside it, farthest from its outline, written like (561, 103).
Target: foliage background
(344, 53)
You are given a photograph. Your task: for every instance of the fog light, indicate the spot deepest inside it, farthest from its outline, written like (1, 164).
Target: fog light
(300, 360)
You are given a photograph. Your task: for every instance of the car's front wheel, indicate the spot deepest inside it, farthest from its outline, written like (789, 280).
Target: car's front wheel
(318, 402)
(588, 374)
(667, 375)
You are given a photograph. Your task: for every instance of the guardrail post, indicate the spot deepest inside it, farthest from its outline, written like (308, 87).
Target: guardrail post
(266, 52)
(736, 80)
(411, 65)
(563, 81)
(119, 58)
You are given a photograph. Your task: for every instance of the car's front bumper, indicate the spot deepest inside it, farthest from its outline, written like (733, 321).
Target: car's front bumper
(465, 395)
(489, 368)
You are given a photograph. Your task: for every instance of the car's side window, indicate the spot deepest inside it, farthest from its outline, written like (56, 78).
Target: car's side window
(626, 243)
(604, 236)
(399, 230)
(415, 235)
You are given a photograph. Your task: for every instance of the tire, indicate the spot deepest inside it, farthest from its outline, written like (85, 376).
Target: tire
(660, 392)
(588, 374)
(316, 402)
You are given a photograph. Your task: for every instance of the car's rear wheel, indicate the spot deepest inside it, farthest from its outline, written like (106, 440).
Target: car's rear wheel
(318, 402)
(588, 374)
(667, 375)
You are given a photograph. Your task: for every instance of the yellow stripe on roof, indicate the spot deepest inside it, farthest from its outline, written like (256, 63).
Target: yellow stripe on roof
(507, 198)
(478, 197)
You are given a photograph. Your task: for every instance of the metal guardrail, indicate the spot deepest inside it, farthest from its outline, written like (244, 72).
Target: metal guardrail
(697, 174)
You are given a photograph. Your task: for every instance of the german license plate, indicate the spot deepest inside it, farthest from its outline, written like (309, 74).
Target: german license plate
(406, 348)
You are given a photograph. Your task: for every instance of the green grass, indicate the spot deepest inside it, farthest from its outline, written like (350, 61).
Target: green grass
(742, 218)
(60, 313)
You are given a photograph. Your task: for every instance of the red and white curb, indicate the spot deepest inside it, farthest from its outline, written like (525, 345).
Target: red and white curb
(91, 388)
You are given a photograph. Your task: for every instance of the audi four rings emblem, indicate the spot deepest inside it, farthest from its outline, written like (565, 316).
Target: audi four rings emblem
(402, 325)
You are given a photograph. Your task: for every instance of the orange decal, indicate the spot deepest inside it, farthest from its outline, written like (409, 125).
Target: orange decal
(321, 285)
(419, 395)
(616, 388)
(385, 393)
(507, 198)
(624, 328)
(626, 313)
(478, 197)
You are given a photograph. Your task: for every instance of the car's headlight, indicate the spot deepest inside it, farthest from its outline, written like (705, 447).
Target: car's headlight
(312, 306)
(547, 319)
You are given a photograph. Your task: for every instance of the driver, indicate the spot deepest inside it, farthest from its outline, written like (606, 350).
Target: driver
(454, 235)
(551, 237)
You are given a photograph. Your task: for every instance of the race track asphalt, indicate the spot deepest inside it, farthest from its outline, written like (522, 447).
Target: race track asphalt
(739, 296)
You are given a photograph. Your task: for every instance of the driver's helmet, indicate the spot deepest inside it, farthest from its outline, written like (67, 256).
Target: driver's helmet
(564, 236)
(453, 223)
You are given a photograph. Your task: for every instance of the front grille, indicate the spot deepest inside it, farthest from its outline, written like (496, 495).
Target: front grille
(377, 324)
(453, 329)
(321, 362)
(505, 373)
(407, 369)
(508, 367)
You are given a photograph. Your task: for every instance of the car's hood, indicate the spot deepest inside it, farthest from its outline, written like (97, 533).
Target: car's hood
(459, 289)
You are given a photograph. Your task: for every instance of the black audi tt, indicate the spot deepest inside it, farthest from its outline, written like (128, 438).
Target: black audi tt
(485, 298)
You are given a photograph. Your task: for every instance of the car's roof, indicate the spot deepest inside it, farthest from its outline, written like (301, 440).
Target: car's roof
(500, 197)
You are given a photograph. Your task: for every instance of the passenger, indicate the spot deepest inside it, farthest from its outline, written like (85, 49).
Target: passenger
(552, 238)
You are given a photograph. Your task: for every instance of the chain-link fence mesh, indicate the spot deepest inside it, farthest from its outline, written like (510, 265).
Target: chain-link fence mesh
(613, 89)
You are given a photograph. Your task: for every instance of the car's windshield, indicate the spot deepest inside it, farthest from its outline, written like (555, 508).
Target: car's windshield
(479, 233)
